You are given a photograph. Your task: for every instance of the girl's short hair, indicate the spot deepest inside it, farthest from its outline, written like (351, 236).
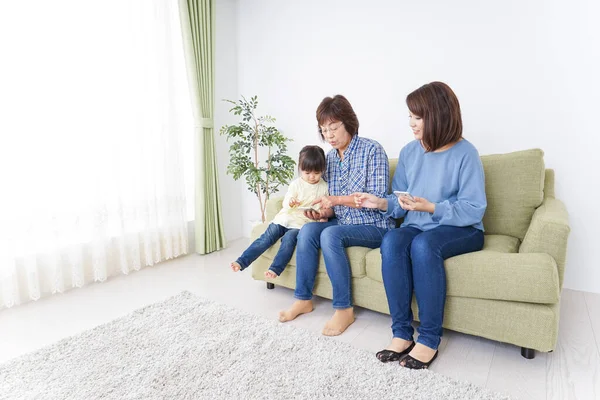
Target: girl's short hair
(337, 108)
(437, 104)
(312, 159)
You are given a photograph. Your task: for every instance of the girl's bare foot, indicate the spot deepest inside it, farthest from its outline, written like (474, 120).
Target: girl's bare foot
(235, 267)
(340, 321)
(270, 274)
(299, 307)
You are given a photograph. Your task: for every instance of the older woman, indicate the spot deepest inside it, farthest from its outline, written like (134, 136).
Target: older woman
(443, 214)
(355, 164)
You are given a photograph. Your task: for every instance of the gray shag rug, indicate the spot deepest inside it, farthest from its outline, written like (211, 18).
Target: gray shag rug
(187, 347)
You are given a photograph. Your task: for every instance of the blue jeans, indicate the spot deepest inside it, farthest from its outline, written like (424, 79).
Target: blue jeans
(273, 233)
(414, 259)
(332, 239)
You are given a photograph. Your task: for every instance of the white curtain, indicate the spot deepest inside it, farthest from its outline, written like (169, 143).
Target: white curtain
(94, 119)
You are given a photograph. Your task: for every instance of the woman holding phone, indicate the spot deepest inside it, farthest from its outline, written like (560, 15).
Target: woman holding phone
(441, 197)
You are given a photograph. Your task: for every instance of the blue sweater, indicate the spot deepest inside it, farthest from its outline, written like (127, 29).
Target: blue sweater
(452, 179)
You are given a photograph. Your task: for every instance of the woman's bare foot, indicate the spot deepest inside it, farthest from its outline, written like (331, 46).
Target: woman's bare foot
(399, 345)
(422, 353)
(270, 274)
(299, 307)
(340, 321)
(235, 267)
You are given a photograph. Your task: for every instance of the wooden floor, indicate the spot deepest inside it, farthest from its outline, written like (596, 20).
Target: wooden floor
(572, 371)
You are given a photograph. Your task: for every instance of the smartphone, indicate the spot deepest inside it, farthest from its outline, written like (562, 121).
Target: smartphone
(404, 194)
(307, 209)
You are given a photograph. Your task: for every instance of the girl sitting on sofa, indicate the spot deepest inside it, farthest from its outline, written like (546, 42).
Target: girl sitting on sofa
(287, 223)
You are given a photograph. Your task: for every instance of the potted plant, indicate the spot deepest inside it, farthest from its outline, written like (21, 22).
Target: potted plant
(258, 152)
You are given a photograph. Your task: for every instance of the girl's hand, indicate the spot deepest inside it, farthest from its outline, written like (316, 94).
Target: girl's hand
(293, 202)
(368, 200)
(418, 204)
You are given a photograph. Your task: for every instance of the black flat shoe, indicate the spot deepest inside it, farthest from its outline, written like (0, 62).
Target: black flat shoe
(390, 355)
(413, 363)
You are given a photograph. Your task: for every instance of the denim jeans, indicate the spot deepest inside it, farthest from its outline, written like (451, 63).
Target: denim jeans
(414, 259)
(273, 233)
(332, 239)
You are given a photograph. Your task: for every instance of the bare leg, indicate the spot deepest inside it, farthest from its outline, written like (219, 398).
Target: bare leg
(340, 321)
(270, 274)
(235, 267)
(299, 307)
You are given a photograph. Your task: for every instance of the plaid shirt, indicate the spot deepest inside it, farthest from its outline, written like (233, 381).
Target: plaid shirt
(365, 169)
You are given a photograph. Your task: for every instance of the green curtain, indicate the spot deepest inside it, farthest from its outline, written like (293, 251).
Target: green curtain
(198, 27)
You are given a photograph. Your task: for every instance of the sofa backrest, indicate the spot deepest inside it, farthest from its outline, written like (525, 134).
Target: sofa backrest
(514, 186)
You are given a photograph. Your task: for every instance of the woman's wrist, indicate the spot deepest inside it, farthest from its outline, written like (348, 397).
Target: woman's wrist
(431, 208)
(383, 204)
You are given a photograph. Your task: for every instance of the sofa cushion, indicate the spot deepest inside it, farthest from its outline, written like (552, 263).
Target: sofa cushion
(501, 243)
(393, 164)
(497, 272)
(514, 187)
(531, 278)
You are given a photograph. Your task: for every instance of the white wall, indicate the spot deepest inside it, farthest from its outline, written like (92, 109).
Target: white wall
(524, 71)
(226, 87)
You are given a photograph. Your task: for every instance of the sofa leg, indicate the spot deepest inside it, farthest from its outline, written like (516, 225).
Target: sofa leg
(272, 286)
(527, 353)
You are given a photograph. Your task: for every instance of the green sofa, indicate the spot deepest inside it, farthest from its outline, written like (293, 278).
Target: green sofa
(510, 290)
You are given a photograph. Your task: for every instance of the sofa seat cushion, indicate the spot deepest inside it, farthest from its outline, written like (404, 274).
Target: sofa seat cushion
(497, 273)
(356, 255)
(501, 243)
(531, 278)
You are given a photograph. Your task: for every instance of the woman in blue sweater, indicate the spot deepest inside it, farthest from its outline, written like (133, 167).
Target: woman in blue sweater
(443, 213)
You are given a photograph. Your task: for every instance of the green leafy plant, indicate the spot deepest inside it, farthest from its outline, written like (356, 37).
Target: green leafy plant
(258, 152)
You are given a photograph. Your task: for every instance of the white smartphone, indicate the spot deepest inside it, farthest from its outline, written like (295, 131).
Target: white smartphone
(404, 194)
(307, 209)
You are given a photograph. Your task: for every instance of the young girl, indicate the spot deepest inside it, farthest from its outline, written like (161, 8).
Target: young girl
(287, 223)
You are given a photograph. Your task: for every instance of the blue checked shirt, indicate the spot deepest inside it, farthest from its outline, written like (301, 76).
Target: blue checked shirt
(365, 169)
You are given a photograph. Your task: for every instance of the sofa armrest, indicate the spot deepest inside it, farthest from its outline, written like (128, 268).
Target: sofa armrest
(274, 205)
(548, 233)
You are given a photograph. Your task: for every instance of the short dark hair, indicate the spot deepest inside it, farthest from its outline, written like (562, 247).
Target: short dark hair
(312, 159)
(337, 108)
(437, 104)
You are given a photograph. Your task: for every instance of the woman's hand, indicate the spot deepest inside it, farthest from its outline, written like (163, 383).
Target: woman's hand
(418, 204)
(322, 216)
(368, 200)
(324, 202)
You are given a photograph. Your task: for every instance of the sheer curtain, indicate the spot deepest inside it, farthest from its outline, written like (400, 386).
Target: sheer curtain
(95, 126)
